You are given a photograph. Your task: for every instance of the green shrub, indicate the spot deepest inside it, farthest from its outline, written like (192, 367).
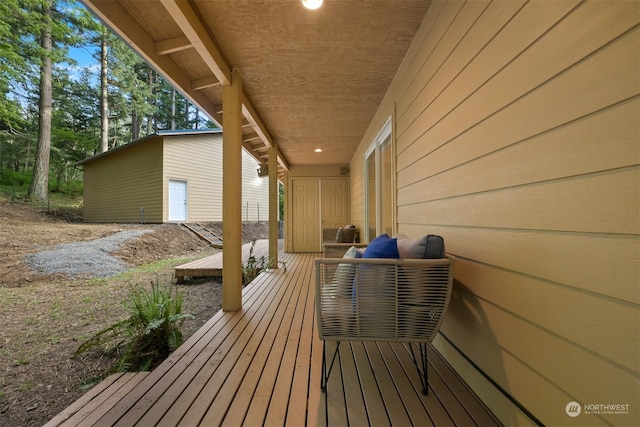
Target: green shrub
(149, 334)
(14, 184)
(12, 178)
(72, 188)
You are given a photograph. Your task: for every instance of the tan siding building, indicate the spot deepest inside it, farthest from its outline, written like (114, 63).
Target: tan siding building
(516, 137)
(173, 176)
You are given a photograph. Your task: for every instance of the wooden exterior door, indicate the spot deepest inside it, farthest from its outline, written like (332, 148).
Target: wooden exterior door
(334, 204)
(306, 215)
(317, 203)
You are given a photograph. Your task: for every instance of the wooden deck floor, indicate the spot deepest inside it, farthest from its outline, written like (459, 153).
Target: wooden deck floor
(261, 366)
(211, 266)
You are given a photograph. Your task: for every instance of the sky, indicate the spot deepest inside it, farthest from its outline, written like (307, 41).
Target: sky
(84, 57)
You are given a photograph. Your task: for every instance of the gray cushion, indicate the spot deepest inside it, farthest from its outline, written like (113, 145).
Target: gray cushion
(417, 249)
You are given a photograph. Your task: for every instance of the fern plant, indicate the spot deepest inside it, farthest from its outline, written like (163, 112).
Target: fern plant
(150, 333)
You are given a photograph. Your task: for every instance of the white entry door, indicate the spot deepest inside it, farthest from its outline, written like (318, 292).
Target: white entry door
(177, 200)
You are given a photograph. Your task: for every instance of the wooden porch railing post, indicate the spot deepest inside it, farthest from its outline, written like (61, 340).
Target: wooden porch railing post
(273, 205)
(232, 194)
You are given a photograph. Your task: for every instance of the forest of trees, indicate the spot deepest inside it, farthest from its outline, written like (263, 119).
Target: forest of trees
(54, 113)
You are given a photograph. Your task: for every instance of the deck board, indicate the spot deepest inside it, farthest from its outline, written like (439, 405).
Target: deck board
(261, 366)
(374, 405)
(412, 403)
(211, 266)
(356, 411)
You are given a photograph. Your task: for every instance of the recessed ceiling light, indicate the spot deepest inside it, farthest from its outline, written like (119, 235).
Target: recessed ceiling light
(312, 4)
(318, 150)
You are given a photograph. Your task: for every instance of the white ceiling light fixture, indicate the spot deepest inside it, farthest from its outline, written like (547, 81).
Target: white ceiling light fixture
(312, 4)
(318, 150)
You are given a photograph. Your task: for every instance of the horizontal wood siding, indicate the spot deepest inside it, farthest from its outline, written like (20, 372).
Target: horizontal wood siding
(518, 140)
(119, 185)
(196, 159)
(255, 191)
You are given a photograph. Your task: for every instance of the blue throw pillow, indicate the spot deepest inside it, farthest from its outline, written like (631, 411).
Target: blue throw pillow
(367, 285)
(382, 246)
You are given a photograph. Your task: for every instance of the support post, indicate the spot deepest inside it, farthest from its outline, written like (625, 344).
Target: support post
(273, 205)
(232, 193)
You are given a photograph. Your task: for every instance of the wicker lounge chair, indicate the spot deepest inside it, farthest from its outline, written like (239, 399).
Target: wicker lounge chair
(382, 300)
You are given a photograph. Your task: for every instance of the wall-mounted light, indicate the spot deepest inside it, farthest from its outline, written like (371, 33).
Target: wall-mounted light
(318, 150)
(263, 170)
(312, 4)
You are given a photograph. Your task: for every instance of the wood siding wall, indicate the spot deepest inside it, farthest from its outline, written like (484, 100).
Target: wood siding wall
(255, 191)
(196, 159)
(517, 135)
(118, 186)
(200, 164)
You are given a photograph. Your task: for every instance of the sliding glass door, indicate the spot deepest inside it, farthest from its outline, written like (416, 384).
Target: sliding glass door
(379, 185)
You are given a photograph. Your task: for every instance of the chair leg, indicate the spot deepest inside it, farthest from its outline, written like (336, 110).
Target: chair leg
(325, 372)
(423, 375)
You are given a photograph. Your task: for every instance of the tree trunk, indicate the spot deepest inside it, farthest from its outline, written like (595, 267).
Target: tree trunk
(186, 113)
(150, 121)
(40, 182)
(135, 125)
(173, 108)
(104, 95)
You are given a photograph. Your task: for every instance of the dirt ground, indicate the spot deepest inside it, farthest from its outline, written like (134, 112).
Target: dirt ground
(43, 318)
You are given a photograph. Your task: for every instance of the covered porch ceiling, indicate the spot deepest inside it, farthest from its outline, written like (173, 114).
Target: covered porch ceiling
(311, 79)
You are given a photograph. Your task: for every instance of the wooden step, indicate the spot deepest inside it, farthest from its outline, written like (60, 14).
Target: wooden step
(205, 234)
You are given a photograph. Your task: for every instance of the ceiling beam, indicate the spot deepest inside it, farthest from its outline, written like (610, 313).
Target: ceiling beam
(110, 12)
(183, 14)
(252, 137)
(258, 125)
(189, 22)
(253, 153)
(204, 83)
(196, 37)
(175, 44)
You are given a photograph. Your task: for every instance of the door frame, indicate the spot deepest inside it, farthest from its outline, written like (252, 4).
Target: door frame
(385, 134)
(186, 200)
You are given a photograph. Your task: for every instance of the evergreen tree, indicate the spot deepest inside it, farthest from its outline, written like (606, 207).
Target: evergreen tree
(40, 182)
(55, 28)
(67, 115)
(12, 65)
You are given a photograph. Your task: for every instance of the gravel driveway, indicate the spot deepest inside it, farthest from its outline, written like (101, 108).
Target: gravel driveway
(84, 258)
